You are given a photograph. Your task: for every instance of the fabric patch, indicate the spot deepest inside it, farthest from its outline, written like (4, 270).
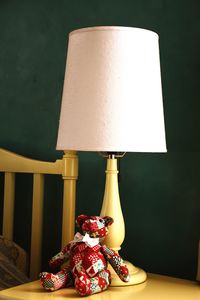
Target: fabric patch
(96, 248)
(105, 275)
(81, 247)
(78, 268)
(95, 268)
(95, 288)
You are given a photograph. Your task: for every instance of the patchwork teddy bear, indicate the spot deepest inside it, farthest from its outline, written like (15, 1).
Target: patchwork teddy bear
(87, 268)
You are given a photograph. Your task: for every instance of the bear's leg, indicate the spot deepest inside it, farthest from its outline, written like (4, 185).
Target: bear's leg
(88, 286)
(52, 282)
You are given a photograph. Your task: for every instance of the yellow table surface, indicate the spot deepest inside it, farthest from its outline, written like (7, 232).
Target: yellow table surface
(156, 287)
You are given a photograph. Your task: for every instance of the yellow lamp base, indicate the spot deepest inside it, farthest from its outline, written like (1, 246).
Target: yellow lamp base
(137, 276)
(112, 207)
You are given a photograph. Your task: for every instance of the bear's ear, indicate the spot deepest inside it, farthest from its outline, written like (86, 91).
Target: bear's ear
(81, 219)
(108, 220)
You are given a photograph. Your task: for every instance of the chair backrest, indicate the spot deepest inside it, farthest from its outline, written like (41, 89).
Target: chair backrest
(67, 167)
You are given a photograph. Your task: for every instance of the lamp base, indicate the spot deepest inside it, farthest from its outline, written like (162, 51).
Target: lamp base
(112, 207)
(137, 276)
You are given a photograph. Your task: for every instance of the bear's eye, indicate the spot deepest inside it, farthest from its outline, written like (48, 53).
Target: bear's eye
(101, 220)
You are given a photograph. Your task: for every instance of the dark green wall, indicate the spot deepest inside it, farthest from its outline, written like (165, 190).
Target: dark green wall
(160, 193)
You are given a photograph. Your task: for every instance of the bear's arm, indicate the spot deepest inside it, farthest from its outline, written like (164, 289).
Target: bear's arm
(116, 262)
(61, 257)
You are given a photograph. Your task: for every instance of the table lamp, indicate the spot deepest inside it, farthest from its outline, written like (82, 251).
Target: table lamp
(112, 104)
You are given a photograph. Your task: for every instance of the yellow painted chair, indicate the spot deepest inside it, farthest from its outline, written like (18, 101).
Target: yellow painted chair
(67, 167)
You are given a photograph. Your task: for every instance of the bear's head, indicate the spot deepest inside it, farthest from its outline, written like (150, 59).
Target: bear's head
(95, 226)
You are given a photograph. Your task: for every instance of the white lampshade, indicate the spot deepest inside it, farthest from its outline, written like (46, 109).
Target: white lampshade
(112, 96)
